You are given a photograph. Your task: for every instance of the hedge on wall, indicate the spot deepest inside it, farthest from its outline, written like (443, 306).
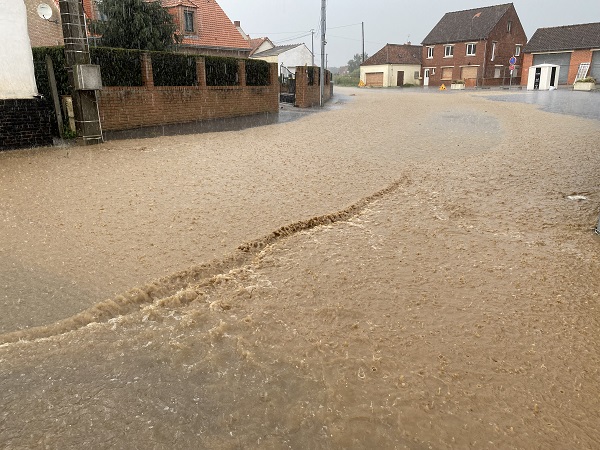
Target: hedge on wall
(119, 67)
(57, 54)
(257, 72)
(221, 71)
(311, 75)
(174, 69)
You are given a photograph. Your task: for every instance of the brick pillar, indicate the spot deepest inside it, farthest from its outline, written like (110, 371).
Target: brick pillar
(147, 75)
(201, 71)
(527, 63)
(242, 73)
(274, 75)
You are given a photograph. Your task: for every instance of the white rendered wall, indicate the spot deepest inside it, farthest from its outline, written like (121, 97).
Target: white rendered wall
(17, 79)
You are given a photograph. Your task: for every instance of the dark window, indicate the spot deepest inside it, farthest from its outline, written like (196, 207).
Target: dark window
(189, 21)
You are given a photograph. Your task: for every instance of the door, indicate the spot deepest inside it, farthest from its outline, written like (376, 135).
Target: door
(538, 77)
(469, 75)
(426, 77)
(595, 67)
(553, 77)
(400, 79)
(374, 79)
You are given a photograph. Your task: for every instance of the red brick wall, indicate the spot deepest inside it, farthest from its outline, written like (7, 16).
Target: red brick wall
(123, 108)
(43, 33)
(310, 95)
(527, 63)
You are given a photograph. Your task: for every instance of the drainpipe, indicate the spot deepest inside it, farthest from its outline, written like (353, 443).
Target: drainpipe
(484, 61)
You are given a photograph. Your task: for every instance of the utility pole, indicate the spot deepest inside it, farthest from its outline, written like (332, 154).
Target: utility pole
(323, 43)
(312, 32)
(363, 41)
(83, 77)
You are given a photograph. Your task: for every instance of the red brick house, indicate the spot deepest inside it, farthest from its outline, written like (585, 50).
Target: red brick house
(203, 25)
(574, 48)
(474, 45)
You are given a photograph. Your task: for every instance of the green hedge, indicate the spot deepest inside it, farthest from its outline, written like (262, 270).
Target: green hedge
(174, 69)
(119, 67)
(221, 71)
(57, 54)
(257, 72)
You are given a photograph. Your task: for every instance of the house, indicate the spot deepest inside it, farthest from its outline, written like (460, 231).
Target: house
(575, 48)
(476, 46)
(260, 45)
(393, 65)
(287, 56)
(44, 31)
(203, 25)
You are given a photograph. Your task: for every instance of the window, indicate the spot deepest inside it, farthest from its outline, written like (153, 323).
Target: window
(416, 75)
(429, 52)
(509, 26)
(448, 51)
(497, 72)
(493, 51)
(471, 48)
(518, 50)
(189, 21)
(447, 73)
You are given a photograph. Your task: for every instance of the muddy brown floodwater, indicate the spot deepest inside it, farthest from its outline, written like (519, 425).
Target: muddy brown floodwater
(413, 270)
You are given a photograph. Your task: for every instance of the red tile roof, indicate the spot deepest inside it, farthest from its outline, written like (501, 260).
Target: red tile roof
(215, 28)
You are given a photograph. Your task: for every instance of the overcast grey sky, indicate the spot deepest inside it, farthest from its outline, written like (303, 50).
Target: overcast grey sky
(386, 21)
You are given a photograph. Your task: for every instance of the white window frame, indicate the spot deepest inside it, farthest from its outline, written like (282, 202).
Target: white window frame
(473, 46)
(448, 51)
(494, 45)
(430, 52)
(518, 50)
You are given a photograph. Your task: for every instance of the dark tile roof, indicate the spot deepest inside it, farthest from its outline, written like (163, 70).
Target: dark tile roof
(570, 37)
(276, 50)
(469, 25)
(396, 54)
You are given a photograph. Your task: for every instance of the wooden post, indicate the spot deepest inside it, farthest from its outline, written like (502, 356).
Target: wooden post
(54, 92)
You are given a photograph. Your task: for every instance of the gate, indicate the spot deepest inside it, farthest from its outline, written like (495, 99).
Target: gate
(287, 86)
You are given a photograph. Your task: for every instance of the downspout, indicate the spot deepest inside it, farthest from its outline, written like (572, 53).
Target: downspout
(484, 60)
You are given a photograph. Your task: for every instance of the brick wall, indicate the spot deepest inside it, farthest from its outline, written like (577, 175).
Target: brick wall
(310, 95)
(124, 108)
(527, 63)
(24, 123)
(43, 33)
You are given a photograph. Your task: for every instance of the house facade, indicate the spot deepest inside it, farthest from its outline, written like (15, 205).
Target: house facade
(476, 46)
(286, 56)
(575, 48)
(393, 65)
(44, 32)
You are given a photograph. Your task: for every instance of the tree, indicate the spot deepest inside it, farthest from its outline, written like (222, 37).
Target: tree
(135, 24)
(355, 62)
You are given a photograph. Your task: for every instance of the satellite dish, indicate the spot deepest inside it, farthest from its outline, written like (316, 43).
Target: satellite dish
(44, 11)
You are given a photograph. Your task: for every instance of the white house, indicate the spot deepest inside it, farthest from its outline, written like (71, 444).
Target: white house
(393, 65)
(289, 56)
(17, 80)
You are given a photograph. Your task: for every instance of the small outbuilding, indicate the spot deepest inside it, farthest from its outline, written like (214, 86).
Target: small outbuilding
(543, 77)
(393, 65)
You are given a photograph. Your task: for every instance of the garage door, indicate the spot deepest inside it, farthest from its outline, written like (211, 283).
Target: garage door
(560, 59)
(595, 67)
(375, 79)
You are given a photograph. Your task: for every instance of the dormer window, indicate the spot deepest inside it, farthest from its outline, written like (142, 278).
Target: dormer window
(188, 18)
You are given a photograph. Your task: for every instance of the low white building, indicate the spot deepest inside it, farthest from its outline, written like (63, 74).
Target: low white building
(289, 56)
(393, 65)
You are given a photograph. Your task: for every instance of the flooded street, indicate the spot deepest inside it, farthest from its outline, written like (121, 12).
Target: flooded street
(411, 270)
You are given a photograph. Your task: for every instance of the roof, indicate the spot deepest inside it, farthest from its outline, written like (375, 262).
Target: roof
(569, 37)
(278, 50)
(468, 25)
(256, 43)
(215, 28)
(396, 54)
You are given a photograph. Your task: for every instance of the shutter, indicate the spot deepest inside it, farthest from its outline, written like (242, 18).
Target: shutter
(560, 59)
(469, 72)
(447, 73)
(374, 79)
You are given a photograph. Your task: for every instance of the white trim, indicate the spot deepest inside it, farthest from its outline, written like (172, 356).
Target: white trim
(552, 52)
(470, 65)
(474, 44)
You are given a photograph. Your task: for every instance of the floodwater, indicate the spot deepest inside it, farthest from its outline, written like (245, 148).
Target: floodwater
(409, 271)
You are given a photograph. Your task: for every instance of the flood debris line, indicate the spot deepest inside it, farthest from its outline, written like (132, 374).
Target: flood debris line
(167, 287)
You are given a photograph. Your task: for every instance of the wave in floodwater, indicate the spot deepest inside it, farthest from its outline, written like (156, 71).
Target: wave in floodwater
(172, 290)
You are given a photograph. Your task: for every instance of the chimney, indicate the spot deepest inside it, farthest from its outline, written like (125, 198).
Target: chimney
(237, 23)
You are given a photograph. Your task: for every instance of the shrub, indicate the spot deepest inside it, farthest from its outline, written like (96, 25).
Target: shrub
(119, 67)
(587, 80)
(174, 69)
(221, 71)
(458, 82)
(257, 73)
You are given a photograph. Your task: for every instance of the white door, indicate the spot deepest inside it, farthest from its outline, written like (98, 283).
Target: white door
(426, 77)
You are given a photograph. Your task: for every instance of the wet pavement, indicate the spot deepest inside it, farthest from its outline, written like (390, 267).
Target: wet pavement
(561, 101)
